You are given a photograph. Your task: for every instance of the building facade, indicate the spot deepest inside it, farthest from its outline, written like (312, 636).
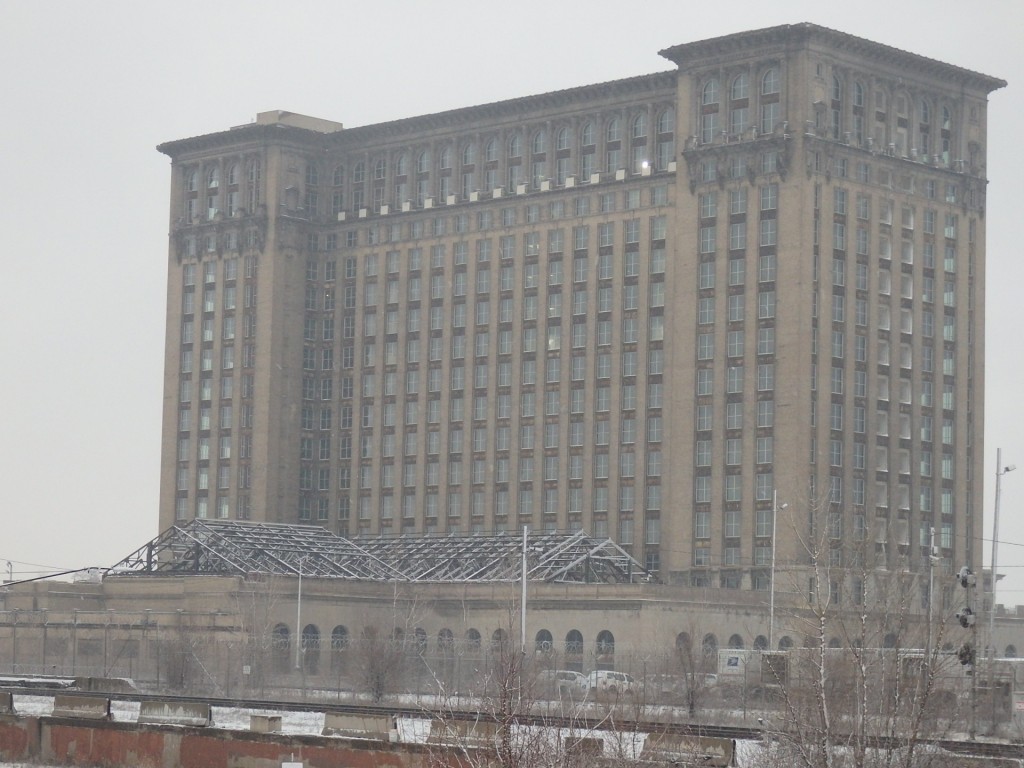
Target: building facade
(666, 310)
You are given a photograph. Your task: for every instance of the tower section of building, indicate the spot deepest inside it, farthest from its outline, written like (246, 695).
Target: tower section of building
(836, 207)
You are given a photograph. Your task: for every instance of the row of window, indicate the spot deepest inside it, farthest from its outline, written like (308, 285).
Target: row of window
(471, 154)
(769, 108)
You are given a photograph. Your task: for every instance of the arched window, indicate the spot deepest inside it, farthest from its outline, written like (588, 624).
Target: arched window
(469, 154)
(379, 168)
(858, 94)
(191, 181)
(213, 178)
(1011, 652)
(339, 175)
(740, 88)
(924, 137)
(640, 126)
(667, 121)
(735, 642)
(889, 641)
(836, 108)
(445, 160)
(612, 130)
(402, 165)
(491, 151)
(280, 647)
(709, 94)
(515, 145)
(834, 643)
(683, 643)
(587, 135)
(311, 649)
(540, 142)
(421, 640)
(472, 639)
(770, 82)
(605, 643)
(760, 643)
(574, 642)
(499, 641)
(562, 138)
(233, 174)
(785, 643)
(423, 162)
(359, 173)
(709, 645)
(544, 643)
(339, 644)
(947, 136)
(445, 641)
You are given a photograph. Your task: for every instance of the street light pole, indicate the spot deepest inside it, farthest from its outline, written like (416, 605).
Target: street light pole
(298, 622)
(931, 591)
(1000, 471)
(522, 598)
(771, 599)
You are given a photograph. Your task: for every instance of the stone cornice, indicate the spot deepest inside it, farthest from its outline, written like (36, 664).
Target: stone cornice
(788, 35)
(455, 119)
(243, 138)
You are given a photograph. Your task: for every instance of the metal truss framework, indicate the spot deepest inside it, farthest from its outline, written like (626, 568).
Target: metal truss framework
(241, 548)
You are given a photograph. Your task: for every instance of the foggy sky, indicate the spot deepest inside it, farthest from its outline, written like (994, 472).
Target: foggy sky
(89, 89)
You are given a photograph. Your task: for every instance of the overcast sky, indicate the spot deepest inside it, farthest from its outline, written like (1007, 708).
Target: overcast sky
(89, 89)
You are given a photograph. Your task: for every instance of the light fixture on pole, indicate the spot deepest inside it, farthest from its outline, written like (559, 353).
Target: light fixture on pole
(771, 599)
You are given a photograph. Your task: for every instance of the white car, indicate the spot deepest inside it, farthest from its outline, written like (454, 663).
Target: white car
(611, 683)
(562, 682)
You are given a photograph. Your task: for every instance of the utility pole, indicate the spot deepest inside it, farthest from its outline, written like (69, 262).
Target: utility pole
(969, 651)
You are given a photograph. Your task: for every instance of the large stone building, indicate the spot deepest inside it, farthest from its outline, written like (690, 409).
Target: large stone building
(643, 308)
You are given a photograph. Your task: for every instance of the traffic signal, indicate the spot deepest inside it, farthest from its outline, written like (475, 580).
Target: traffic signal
(966, 618)
(966, 578)
(966, 654)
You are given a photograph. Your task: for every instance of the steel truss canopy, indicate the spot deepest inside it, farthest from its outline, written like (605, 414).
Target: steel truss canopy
(243, 548)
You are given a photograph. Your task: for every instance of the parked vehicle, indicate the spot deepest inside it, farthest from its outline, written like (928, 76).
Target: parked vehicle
(611, 683)
(562, 683)
(664, 688)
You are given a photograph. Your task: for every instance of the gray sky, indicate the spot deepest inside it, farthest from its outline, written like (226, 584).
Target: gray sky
(89, 89)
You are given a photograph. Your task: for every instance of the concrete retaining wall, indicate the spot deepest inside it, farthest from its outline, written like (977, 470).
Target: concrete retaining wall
(112, 743)
(175, 713)
(381, 727)
(81, 707)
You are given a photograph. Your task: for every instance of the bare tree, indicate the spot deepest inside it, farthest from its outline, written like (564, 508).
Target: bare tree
(860, 691)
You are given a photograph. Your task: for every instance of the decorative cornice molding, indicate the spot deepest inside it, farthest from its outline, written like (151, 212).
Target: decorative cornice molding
(788, 35)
